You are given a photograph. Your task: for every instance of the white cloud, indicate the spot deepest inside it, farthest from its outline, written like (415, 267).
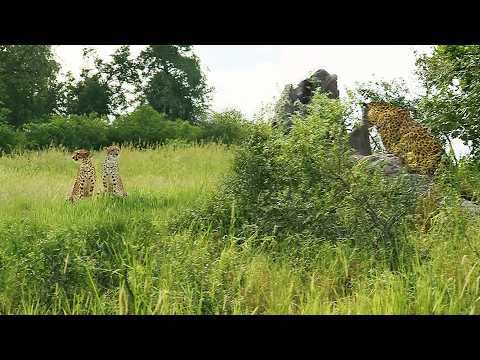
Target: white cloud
(246, 87)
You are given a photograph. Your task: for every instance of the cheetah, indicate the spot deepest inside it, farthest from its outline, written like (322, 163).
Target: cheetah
(112, 181)
(404, 137)
(85, 181)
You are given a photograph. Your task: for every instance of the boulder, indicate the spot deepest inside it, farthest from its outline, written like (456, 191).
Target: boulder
(470, 207)
(294, 99)
(393, 166)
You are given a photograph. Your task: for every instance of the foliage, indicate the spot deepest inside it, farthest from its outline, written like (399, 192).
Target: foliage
(228, 127)
(171, 81)
(307, 183)
(451, 76)
(72, 132)
(8, 138)
(395, 92)
(28, 85)
(88, 96)
(145, 127)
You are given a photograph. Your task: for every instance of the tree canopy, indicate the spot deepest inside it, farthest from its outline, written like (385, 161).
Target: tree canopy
(172, 81)
(28, 82)
(451, 106)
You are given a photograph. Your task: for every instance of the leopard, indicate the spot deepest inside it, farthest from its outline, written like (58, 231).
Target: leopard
(112, 182)
(85, 180)
(404, 137)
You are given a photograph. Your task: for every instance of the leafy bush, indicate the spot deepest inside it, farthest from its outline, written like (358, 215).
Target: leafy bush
(394, 92)
(450, 106)
(9, 138)
(72, 132)
(308, 183)
(145, 126)
(229, 127)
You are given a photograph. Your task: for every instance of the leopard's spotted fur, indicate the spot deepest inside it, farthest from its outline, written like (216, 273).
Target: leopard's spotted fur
(404, 137)
(112, 181)
(86, 177)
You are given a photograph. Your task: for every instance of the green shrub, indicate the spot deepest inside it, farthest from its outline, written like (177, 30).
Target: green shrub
(307, 183)
(72, 132)
(145, 127)
(229, 127)
(9, 138)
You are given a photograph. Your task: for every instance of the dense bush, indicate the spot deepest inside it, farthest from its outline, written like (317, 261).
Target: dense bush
(451, 104)
(307, 183)
(229, 127)
(9, 138)
(145, 126)
(142, 127)
(72, 132)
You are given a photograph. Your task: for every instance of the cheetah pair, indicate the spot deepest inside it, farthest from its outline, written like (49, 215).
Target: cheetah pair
(86, 177)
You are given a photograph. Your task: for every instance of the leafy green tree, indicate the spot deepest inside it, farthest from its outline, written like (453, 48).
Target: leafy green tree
(104, 88)
(172, 82)
(451, 106)
(89, 95)
(28, 82)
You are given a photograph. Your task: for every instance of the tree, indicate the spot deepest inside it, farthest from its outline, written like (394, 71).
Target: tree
(104, 88)
(28, 82)
(89, 95)
(451, 106)
(172, 82)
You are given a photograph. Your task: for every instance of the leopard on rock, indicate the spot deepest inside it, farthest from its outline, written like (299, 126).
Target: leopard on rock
(404, 137)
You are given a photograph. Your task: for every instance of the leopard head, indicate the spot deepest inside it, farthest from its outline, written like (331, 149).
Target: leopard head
(378, 112)
(81, 154)
(113, 150)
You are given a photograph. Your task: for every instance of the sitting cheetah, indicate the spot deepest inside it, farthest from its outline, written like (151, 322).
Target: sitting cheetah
(86, 177)
(404, 137)
(111, 175)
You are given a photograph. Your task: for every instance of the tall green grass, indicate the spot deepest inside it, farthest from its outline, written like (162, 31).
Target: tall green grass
(115, 256)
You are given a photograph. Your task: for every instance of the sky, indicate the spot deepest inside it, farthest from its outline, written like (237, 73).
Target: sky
(246, 77)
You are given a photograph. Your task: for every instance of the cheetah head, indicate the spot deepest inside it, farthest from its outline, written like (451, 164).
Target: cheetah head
(113, 150)
(81, 154)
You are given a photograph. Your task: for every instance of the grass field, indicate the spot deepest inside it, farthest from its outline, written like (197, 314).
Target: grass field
(115, 256)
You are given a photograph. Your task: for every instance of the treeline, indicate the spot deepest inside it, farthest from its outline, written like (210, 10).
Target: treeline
(167, 77)
(142, 128)
(40, 106)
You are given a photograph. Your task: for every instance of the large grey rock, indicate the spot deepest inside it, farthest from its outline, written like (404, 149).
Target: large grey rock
(360, 136)
(294, 99)
(392, 166)
(470, 207)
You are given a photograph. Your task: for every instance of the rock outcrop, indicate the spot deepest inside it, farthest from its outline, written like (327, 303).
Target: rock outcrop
(294, 99)
(360, 136)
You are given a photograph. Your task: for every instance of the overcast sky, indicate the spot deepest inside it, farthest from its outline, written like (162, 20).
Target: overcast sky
(245, 77)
